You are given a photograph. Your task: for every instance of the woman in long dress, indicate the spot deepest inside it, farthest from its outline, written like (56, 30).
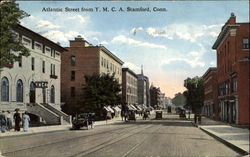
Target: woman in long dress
(26, 120)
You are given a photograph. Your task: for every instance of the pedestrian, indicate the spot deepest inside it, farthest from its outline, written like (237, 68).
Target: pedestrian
(9, 121)
(3, 122)
(17, 119)
(122, 114)
(26, 120)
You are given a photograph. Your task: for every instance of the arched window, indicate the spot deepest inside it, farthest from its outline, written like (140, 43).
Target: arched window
(4, 89)
(52, 94)
(19, 91)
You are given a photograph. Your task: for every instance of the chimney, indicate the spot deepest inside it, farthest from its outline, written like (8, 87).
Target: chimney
(232, 19)
(78, 42)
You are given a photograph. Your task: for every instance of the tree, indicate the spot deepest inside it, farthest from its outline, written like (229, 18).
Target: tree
(11, 47)
(179, 100)
(194, 93)
(99, 91)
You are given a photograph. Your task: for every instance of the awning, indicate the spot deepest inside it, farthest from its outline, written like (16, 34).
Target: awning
(138, 107)
(110, 109)
(117, 109)
(134, 107)
(130, 107)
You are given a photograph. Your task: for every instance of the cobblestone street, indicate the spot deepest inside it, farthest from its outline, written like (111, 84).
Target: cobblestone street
(170, 136)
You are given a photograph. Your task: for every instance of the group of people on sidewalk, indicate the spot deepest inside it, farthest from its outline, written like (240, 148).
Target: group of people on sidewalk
(6, 121)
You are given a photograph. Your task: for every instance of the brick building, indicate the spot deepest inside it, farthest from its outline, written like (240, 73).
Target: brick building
(155, 96)
(84, 59)
(210, 106)
(232, 47)
(129, 87)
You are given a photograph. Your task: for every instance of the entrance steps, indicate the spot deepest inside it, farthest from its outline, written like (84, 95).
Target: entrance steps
(50, 114)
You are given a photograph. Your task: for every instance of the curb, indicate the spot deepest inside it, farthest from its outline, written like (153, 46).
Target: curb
(51, 131)
(232, 146)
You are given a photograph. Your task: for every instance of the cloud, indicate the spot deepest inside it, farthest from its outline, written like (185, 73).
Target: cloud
(193, 63)
(130, 41)
(79, 18)
(56, 35)
(188, 32)
(135, 68)
(104, 42)
(46, 24)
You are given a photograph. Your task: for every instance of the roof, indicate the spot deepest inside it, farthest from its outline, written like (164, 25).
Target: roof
(223, 34)
(37, 37)
(111, 54)
(209, 70)
(130, 71)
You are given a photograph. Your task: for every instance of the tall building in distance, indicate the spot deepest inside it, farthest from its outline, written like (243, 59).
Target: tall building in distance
(82, 59)
(33, 83)
(143, 89)
(232, 48)
(129, 87)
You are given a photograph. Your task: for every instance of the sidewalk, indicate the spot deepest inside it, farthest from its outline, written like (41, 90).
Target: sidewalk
(234, 137)
(44, 129)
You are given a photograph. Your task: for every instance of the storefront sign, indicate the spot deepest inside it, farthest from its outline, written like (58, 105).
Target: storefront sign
(41, 84)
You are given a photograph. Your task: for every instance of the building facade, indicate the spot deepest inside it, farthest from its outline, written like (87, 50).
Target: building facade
(129, 87)
(210, 106)
(83, 59)
(33, 83)
(155, 97)
(143, 90)
(232, 48)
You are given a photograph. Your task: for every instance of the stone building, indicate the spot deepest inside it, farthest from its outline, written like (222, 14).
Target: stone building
(232, 48)
(33, 83)
(82, 59)
(210, 106)
(143, 90)
(129, 87)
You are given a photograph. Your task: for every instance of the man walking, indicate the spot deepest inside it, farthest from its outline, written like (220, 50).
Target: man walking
(17, 119)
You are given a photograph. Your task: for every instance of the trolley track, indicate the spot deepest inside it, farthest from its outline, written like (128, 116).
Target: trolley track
(113, 133)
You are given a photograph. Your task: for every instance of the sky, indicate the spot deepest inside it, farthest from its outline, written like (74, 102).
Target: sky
(172, 44)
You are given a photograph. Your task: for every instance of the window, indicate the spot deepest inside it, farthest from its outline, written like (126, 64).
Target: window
(19, 91)
(20, 62)
(33, 63)
(47, 49)
(52, 94)
(4, 89)
(52, 69)
(26, 41)
(73, 60)
(43, 66)
(38, 46)
(72, 76)
(72, 91)
(245, 43)
(43, 48)
(53, 53)
(102, 61)
(234, 89)
(33, 44)
(107, 64)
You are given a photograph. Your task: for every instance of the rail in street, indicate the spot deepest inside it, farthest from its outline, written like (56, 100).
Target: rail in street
(169, 136)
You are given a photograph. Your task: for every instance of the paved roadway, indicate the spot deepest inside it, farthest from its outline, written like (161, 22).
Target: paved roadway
(149, 138)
